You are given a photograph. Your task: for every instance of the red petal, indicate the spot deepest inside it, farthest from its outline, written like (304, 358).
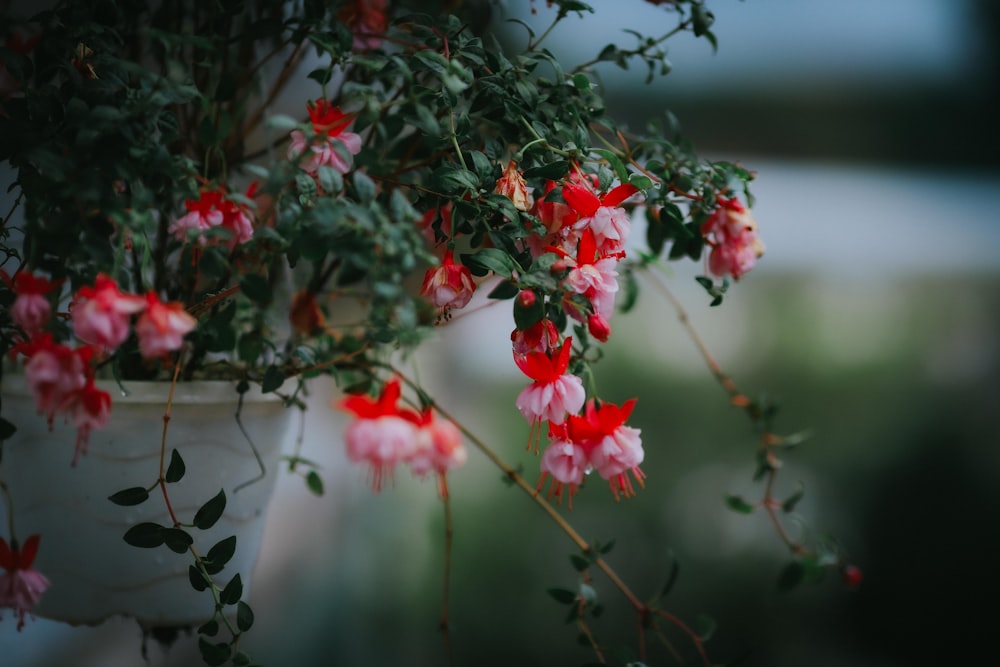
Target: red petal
(28, 552)
(580, 199)
(619, 194)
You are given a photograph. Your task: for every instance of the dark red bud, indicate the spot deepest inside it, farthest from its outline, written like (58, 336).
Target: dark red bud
(526, 298)
(852, 576)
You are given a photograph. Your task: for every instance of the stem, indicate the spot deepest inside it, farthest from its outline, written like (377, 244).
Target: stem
(10, 512)
(448, 538)
(635, 52)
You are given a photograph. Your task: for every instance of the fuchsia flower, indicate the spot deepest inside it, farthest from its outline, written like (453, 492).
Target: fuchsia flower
(553, 392)
(162, 327)
(87, 409)
(21, 586)
(211, 210)
(448, 285)
(597, 440)
(367, 19)
(101, 314)
(732, 233)
(54, 372)
(332, 146)
(386, 434)
(609, 223)
(541, 336)
(380, 435)
(31, 310)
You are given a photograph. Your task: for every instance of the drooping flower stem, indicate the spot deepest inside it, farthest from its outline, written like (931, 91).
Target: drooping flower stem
(446, 585)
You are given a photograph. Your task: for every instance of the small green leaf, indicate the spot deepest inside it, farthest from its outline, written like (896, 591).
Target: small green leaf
(135, 495)
(793, 500)
(562, 596)
(365, 187)
(504, 290)
(705, 626)
(791, 576)
(220, 554)
(209, 513)
(244, 616)
(214, 654)
(737, 504)
(7, 429)
(273, 379)
(256, 288)
(233, 591)
(314, 483)
(579, 562)
(176, 468)
(491, 259)
(146, 535)
(177, 540)
(196, 578)
(210, 628)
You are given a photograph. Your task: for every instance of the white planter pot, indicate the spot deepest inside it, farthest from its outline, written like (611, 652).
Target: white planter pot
(94, 574)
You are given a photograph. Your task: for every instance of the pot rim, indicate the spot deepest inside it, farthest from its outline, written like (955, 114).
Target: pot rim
(213, 392)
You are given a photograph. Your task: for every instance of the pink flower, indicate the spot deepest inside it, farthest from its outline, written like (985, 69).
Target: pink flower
(87, 409)
(54, 372)
(732, 233)
(435, 224)
(101, 314)
(31, 310)
(162, 327)
(602, 215)
(553, 392)
(449, 285)
(565, 461)
(367, 19)
(21, 586)
(438, 448)
(236, 218)
(332, 146)
(614, 448)
(381, 435)
(203, 214)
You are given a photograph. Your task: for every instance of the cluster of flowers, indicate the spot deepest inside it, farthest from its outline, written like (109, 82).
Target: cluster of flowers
(588, 232)
(386, 434)
(61, 377)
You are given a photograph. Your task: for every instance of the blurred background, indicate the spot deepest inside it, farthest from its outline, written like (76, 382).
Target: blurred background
(873, 320)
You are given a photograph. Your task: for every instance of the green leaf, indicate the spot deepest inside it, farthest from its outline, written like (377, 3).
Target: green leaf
(210, 628)
(233, 591)
(196, 578)
(175, 469)
(671, 578)
(790, 576)
(705, 626)
(145, 535)
(365, 187)
(256, 288)
(737, 504)
(209, 513)
(793, 500)
(579, 562)
(562, 596)
(220, 554)
(244, 616)
(135, 495)
(552, 171)
(214, 654)
(7, 429)
(273, 379)
(491, 259)
(504, 290)
(177, 540)
(314, 483)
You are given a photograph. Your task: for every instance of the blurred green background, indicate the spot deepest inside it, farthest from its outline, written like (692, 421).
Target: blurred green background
(873, 321)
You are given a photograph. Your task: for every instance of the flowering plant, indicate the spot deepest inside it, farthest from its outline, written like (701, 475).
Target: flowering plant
(270, 192)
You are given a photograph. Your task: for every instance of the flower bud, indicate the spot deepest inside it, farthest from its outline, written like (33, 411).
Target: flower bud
(852, 576)
(599, 327)
(526, 298)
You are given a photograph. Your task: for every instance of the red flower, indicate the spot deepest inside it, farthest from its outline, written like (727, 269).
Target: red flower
(21, 586)
(449, 285)
(513, 186)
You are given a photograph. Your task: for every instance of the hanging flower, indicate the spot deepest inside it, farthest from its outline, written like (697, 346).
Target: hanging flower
(449, 285)
(87, 409)
(368, 20)
(332, 145)
(21, 586)
(53, 372)
(162, 327)
(101, 314)
(609, 223)
(31, 310)
(732, 233)
(381, 435)
(554, 393)
(541, 336)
